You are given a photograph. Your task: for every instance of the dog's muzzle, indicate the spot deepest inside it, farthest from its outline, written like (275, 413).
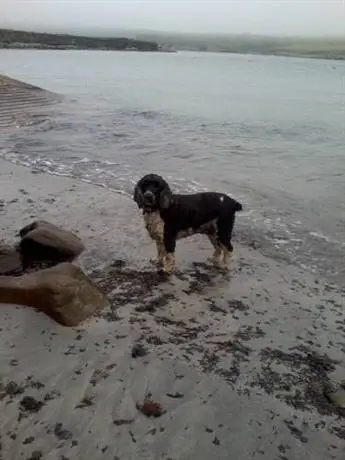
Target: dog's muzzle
(149, 200)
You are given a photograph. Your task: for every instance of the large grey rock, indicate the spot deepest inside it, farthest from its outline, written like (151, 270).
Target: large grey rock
(63, 292)
(10, 261)
(42, 240)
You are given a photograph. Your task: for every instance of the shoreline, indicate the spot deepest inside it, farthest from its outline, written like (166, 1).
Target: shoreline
(245, 356)
(26, 46)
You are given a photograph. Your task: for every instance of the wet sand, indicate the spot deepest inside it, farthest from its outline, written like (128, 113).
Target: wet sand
(239, 360)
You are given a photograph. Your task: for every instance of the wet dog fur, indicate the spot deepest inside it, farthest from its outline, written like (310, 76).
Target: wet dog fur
(169, 217)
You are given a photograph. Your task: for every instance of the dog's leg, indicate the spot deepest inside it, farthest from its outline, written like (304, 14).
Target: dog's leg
(169, 247)
(169, 263)
(154, 226)
(160, 253)
(225, 228)
(217, 255)
(227, 253)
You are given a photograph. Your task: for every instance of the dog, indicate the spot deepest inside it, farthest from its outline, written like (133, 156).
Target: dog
(170, 217)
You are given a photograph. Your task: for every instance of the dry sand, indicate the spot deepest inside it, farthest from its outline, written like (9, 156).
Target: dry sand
(239, 360)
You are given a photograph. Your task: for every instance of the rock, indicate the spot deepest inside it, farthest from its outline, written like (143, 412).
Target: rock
(63, 292)
(10, 261)
(42, 240)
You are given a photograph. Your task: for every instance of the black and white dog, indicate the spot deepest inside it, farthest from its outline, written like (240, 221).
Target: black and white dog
(169, 217)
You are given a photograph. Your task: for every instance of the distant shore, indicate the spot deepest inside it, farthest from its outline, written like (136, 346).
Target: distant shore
(316, 48)
(15, 39)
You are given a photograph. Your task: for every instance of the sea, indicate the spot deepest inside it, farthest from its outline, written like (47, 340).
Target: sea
(267, 130)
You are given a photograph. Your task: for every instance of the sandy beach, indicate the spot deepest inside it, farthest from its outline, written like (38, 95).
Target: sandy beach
(239, 361)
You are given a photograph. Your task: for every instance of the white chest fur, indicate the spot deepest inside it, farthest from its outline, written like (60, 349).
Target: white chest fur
(154, 225)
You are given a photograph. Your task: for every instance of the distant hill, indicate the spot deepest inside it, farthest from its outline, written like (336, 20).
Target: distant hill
(309, 47)
(39, 40)
(312, 47)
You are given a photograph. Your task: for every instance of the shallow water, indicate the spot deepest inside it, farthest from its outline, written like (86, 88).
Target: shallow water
(268, 130)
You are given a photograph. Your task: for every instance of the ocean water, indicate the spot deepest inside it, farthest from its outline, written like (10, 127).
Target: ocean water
(268, 130)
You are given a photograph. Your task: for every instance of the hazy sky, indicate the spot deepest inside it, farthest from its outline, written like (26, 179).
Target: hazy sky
(279, 17)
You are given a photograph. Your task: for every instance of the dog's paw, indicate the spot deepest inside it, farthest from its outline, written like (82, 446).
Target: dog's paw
(156, 262)
(166, 269)
(216, 261)
(153, 261)
(219, 264)
(163, 273)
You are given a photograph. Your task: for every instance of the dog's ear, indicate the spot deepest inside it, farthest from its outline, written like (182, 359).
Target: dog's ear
(138, 196)
(165, 197)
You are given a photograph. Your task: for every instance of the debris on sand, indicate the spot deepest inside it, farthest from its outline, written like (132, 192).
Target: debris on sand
(176, 395)
(122, 421)
(138, 351)
(61, 433)
(337, 397)
(30, 404)
(36, 455)
(150, 408)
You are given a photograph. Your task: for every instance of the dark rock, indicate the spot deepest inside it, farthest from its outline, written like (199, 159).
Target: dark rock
(42, 240)
(10, 261)
(138, 350)
(63, 292)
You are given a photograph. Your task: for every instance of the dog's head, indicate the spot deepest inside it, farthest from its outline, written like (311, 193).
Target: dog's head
(152, 192)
